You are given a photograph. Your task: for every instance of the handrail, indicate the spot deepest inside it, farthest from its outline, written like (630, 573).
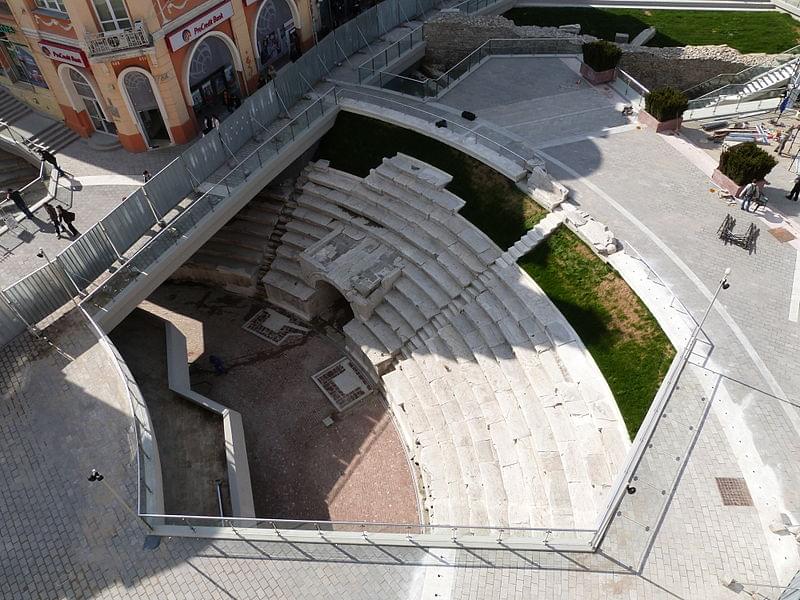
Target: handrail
(434, 86)
(367, 523)
(167, 230)
(630, 80)
(386, 51)
(727, 78)
(538, 160)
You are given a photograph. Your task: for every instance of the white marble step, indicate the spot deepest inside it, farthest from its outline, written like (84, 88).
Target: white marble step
(377, 356)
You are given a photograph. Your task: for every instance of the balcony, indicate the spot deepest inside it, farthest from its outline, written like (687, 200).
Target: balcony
(110, 42)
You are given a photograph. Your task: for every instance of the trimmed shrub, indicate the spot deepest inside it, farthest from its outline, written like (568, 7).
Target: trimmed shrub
(666, 103)
(745, 162)
(601, 55)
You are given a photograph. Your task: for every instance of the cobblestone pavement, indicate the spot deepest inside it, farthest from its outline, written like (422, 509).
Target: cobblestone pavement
(64, 538)
(95, 177)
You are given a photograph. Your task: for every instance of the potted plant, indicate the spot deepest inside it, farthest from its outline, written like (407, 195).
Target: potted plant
(600, 60)
(663, 109)
(742, 164)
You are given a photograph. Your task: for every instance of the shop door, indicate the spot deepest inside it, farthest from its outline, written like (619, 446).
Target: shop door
(93, 108)
(146, 109)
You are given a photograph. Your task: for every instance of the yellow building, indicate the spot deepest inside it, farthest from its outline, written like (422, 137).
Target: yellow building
(146, 71)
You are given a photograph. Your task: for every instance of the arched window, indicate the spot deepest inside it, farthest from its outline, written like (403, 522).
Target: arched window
(145, 107)
(212, 74)
(84, 90)
(274, 27)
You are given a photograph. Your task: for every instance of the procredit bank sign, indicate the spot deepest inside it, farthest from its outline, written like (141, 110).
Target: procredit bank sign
(65, 54)
(194, 29)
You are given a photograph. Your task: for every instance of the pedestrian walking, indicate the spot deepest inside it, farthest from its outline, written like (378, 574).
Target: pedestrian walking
(782, 139)
(54, 218)
(49, 157)
(215, 121)
(67, 218)
(146, 175)
(793, 195)
(748, 193)
(17, 199)
(208, 124)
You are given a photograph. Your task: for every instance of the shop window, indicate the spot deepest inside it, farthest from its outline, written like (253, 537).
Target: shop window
(22, 65)
(57, 5)
(112, 14)
(274, 32)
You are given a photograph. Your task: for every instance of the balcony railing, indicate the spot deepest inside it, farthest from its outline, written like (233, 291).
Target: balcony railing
(110, 42)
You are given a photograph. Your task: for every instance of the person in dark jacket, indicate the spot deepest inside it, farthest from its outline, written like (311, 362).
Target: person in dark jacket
(67, 218)
(17, 199)
(49, 157)
(54, 218)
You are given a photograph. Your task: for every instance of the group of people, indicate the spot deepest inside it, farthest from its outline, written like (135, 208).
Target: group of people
(61, 218)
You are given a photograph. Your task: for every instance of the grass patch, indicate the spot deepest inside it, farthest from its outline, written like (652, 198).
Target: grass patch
(622, 336)
(494, 204)
(770, 32)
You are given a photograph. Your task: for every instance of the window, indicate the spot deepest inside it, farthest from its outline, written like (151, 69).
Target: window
(112, 15)
(23, 66)
(57, 5)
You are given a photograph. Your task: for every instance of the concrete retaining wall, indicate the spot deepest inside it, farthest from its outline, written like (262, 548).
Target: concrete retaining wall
(235, 448)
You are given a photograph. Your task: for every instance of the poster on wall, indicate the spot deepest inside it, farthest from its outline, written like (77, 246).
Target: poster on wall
(197, 98)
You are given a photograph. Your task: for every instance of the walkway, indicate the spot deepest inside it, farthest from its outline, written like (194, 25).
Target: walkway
(74, 540)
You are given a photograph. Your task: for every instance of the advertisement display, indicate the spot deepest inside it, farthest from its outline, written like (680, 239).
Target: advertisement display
(66, 54)
(194, 29)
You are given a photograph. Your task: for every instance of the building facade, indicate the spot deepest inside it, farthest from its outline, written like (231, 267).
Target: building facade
(145, 71)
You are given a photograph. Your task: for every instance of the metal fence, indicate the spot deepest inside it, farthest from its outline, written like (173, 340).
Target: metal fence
(364, 532)
(39, 294)
(432, 88)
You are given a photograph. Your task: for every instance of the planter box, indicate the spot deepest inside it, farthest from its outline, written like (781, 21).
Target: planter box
(645, 118)
(730, 185)
(597, 77)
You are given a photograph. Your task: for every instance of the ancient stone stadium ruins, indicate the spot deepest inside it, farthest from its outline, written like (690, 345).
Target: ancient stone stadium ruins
(441, 309)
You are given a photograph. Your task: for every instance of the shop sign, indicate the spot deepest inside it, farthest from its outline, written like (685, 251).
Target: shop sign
(194, 29)
(7, 28)
(66, 54)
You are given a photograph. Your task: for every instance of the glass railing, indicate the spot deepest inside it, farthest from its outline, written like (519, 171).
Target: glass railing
(355, 532)
(628, 87)
(433, 87)
(382, 59)
(180, 227)
(715, 85)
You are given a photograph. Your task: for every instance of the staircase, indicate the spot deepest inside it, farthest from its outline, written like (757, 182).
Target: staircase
(242, 250)
(15, 172)
(11, 109)
(753, 89)
(55, 135)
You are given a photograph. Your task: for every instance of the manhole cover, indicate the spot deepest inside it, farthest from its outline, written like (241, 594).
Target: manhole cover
(343, 383)
(734, 492)
(273, 326)
(782, 235)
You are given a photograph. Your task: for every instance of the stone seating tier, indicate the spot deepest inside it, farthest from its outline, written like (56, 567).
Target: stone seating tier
(495, 398)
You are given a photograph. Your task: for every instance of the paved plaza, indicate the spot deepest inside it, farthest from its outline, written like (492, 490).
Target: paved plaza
(61, 412)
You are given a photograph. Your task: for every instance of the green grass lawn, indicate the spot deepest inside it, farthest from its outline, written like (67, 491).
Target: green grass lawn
(494, 204)
(622, 336)
(769, 32)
